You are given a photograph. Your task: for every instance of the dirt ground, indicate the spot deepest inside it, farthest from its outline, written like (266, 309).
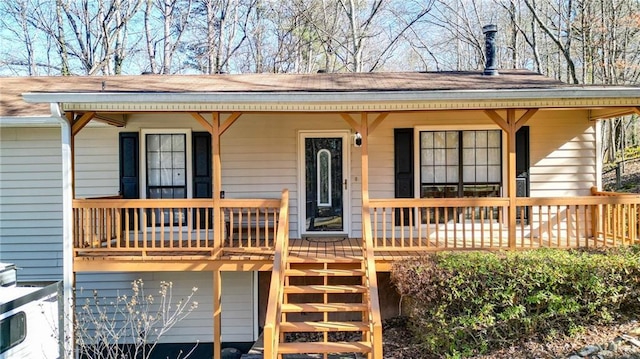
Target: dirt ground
(629, 179)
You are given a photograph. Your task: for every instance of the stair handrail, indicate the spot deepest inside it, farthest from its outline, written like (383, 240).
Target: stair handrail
(375, 320)
(276, 288)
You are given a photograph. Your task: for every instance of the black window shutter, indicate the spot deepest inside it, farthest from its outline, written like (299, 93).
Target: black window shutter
(202, 184)
(202, 174)
(522, 169)
(129, 165)
(403, 164)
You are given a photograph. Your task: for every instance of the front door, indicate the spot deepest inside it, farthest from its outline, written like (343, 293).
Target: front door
(324, 183)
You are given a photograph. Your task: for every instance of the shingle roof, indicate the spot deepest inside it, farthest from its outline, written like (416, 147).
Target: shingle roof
(11, 88)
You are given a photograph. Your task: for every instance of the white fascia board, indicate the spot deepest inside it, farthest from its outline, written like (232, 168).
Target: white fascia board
(335, 97)
(29, 121)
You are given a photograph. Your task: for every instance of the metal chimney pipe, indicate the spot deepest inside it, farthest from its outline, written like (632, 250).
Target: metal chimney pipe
(489, 32)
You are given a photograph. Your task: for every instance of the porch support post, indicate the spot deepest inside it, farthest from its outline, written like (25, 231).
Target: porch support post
(511, 170)
(217, 314)
(364, 148)
(217, 183)
(510, 126)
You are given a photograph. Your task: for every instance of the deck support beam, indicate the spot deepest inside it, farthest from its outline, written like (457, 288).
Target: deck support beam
(217, 314)
(79, 123)
(216, 128)
(637, 110)
(364, 148)
(510, 125)
(511, 175)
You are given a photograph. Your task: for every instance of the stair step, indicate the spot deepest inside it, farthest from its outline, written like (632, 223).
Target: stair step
(345, 259)
(323, 347)
(324, 272)
(324, 327)
(323, 307)
(302, 289)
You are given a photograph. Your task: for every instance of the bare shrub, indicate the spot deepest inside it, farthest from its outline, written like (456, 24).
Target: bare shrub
(131, 325)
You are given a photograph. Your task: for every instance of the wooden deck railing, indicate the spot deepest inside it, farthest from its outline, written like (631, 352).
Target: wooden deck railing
(276, 289)
(250, 223)
(481, 223)
(619, 222)
(372, 298)
(164, 226)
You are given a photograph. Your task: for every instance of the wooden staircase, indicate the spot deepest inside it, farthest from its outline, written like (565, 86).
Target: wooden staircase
(328, 298)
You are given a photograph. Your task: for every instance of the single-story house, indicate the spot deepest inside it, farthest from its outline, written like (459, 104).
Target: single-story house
(285, 198)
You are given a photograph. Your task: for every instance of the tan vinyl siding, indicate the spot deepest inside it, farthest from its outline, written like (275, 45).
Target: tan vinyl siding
(563, 154)
(31, 202)
(237, 301)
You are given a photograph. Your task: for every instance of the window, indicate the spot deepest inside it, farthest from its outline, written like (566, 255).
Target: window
(324, 178)
(166, 165)
(460, 163)
(456, 164)
(166, 171)
(13, 331)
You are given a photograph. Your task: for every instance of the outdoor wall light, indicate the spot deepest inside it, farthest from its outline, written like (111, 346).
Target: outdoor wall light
(357, 139)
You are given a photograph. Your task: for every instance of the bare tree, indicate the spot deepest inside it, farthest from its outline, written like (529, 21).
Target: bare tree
(172, 16)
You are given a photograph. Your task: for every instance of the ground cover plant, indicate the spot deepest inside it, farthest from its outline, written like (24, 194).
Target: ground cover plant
(462, 304)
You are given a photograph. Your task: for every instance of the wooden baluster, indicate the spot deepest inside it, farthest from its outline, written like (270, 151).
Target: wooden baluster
(482, 211)
(446, 226)
(500, 219)
(428, 234)
(402, 229)
(189, 213)
(384, 226)
(393, 227)
(153, 228)
(437, 226)
(145, 229)
(418, 221)
(558, 225)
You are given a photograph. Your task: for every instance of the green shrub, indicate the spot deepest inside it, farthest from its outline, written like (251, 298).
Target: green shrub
(467, 303)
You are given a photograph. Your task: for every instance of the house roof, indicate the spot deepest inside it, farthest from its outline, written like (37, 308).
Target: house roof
(16, 92)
